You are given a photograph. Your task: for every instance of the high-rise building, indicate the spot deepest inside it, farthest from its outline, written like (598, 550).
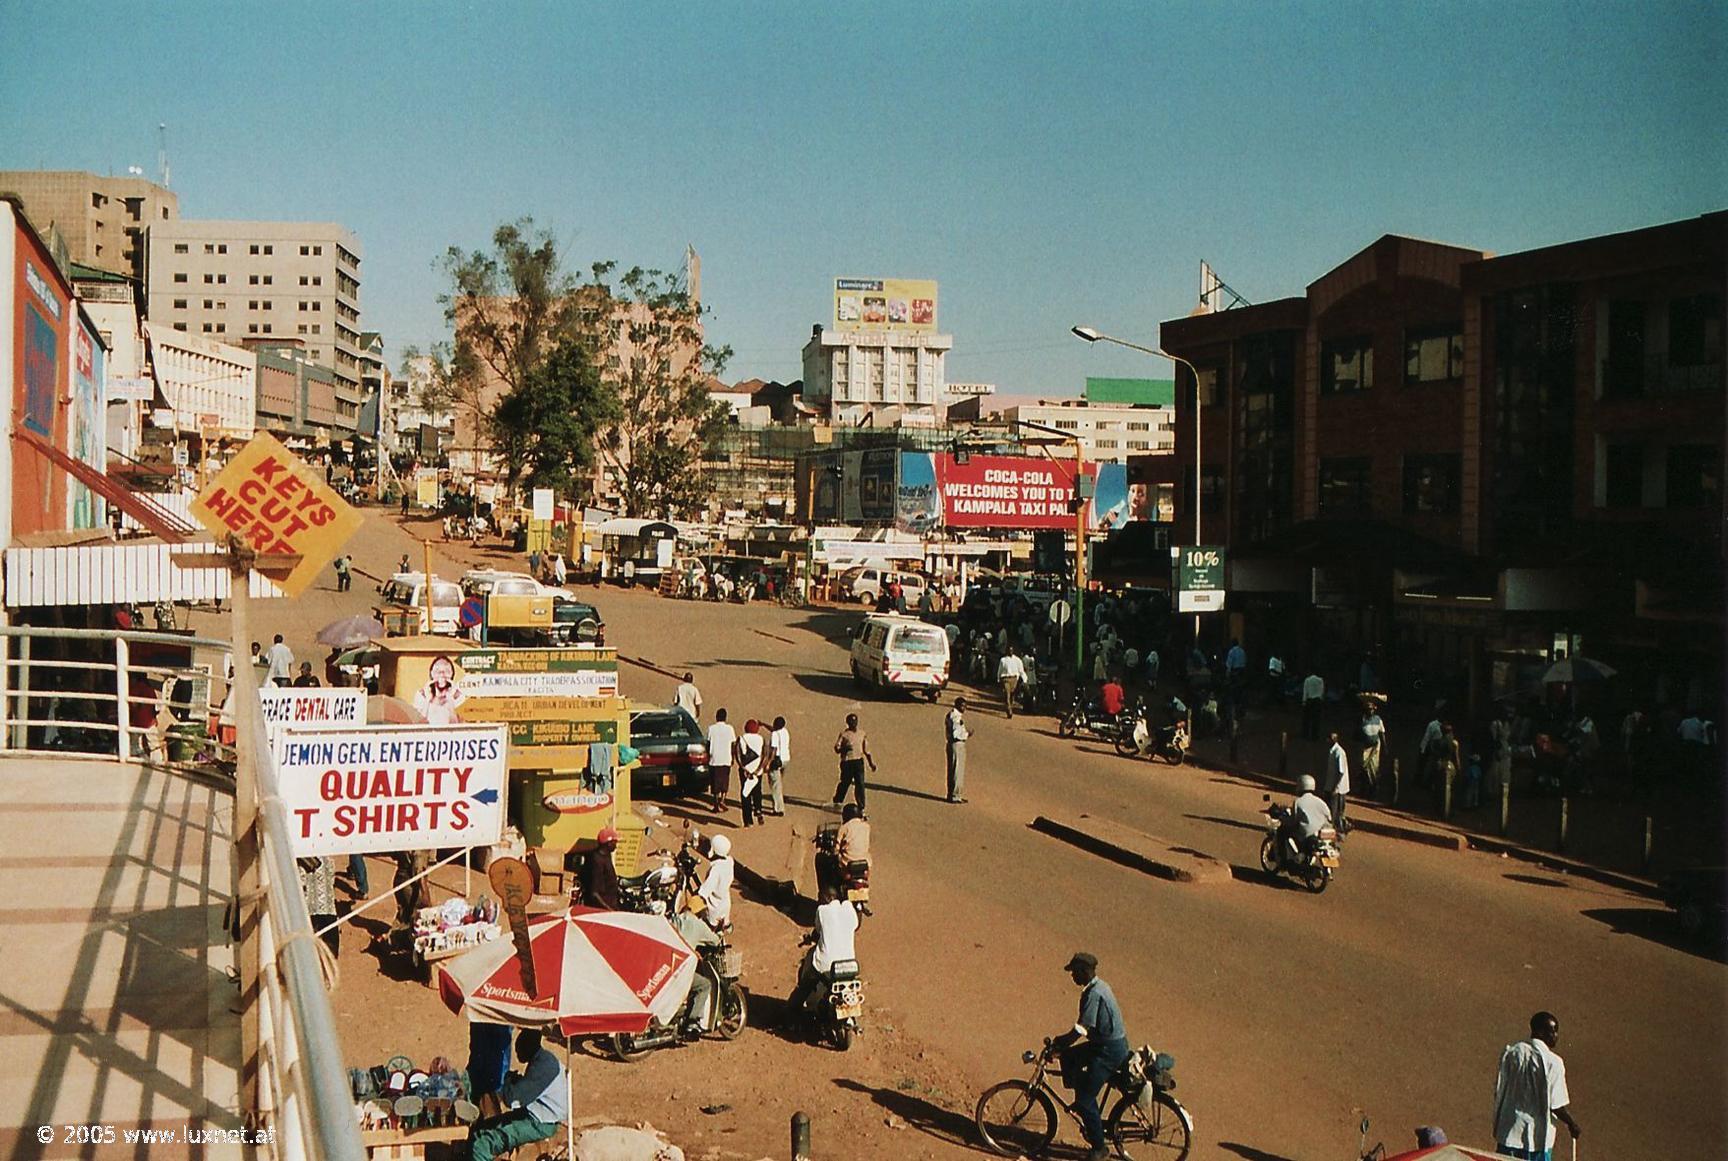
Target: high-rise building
(261, 283)
(882, 360)
(103, 220)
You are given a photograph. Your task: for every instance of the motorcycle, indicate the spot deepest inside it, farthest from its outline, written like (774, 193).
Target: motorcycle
(853, 877)
(1084, 717)
(835, 1005)
(1140, 740)
(1311, 864)
(721, 964)
(660, 890)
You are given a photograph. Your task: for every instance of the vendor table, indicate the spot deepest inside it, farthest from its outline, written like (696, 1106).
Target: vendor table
(408, 1144)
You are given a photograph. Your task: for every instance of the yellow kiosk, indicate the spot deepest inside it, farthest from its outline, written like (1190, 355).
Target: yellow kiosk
(569, 753)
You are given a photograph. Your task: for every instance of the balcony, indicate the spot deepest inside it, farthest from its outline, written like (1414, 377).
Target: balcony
(1633, 378)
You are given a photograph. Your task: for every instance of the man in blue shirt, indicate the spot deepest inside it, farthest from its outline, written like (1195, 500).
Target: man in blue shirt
(536, 1103)
(1093, 1050)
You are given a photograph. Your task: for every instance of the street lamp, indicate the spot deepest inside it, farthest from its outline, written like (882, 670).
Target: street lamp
(1092, 335)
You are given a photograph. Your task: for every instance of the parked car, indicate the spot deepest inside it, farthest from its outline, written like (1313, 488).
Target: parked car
(674, 752)
(577, 621)
(407, 590)
(866, 584)
(895, 652)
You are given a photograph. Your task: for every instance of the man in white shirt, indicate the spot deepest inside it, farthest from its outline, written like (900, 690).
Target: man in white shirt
(1010, 671)
(954, 729)
(779, 757)
(832, 941)
(1337, 780)
(1313, 700)
(689, 698)
(1530, 1094)
(280, 660)
(1308, 813)
(716, 889)
(722, 742)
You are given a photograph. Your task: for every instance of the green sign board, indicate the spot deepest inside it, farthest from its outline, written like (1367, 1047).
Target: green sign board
(1139, 392)
(562, 733)
(1200, 578)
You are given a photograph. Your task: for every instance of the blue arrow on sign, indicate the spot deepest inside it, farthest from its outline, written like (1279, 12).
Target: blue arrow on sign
(488, 796)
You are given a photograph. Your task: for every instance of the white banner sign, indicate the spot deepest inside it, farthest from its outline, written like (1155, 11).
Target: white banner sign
(1199, 600)
(287, 706)
(542, 504)
(579, 683)
(373, 789)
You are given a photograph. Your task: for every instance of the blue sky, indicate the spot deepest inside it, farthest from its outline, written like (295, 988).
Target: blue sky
(1047, 163)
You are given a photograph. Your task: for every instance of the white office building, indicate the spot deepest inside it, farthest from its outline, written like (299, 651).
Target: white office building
(1108, 432)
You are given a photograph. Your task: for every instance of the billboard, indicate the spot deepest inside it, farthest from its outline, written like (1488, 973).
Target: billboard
(1138, 392)
(1022, 492)
(89, 435)
(900, 305)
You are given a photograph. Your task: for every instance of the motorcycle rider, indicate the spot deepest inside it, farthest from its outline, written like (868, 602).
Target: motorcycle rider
(698, 935)
(599, 876)
(831, 941)
(1308, 813)
(716, 889)
(1093, 1050)
(1111, 696)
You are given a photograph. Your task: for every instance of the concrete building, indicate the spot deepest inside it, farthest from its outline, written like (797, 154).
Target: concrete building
(1108, 432)
(210, 387)
(304, 404)
(252, 283)
(897, 377)
(1468, 465)
(103, 220)
(111, 301)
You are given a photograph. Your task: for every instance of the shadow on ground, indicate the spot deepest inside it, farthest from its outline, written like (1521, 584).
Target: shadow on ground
(1251, 1153)
(1659, 925)
(1233, 822)
(947, 1125)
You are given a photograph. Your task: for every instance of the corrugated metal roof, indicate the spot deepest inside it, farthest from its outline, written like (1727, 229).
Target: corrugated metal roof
(142, 572)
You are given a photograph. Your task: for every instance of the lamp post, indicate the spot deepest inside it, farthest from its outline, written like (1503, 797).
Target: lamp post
(1093, 335)
(1080, 506)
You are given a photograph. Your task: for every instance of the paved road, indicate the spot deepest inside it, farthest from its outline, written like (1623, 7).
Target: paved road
(1392, 993)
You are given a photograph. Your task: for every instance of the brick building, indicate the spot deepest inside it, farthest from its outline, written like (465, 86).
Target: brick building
(1465, 465)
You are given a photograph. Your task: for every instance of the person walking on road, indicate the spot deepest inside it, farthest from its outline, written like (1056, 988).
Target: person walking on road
(752, 765)
(779, 757)
(689, 698)
(1337, 780)
(854, 750)
(1010, 672)
(956, 732)
(280, 660)
(344, 573)
(1313, 700)
(722, 742)
(1373, 746)
(1530, 1094)
(1093, 1049)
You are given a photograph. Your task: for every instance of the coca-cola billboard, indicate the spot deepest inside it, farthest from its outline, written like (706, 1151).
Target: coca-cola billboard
(1018, 492)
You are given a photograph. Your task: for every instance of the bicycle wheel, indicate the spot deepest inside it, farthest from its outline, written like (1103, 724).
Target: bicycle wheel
(1016, 1120)
(1159, 1132)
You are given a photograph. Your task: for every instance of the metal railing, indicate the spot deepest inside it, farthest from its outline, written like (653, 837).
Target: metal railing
(138, 697)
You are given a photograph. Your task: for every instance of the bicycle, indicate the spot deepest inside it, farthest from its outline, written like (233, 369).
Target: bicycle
(1017, 1118)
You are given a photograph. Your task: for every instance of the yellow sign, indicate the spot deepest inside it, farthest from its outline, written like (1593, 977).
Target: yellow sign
(902, 305)
(278, 506)
(426, 490)
(539, 536)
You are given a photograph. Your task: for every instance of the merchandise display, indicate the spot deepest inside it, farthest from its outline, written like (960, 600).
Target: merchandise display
(453, 927)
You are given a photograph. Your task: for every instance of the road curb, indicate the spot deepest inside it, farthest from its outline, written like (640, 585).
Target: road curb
(1565, 866)
(1445, 840)
(1133, 849)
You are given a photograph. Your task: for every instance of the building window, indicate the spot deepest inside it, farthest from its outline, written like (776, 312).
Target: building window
(179, 304)
(302, 328)
(317, 306)
(304, 281)
(318, 250)
(317, 328)
(1431, 483)
(1623, 472)
(251, 328)
(180, 277)
(1694, 476)
(209, 247)
(207, 328)
(221, 328)
(222, 248)
(1138, 445)
(222, 279)
(267, 304)
(269, 249)
(1345, 487)
(269, 279)
(251, 280)
(253, 249)
(305, 251)
(1346, 364)
(252, 304)
(1434, 355)
(1695, 330)
(209, 304)
(266, 328)
(1139, 427)
(180, 326)
(1104, 443)
(1210, 394)
(302, 306)
(181, 248)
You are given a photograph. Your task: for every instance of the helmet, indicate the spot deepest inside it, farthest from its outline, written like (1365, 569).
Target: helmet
(1305, 783)
(606, 836)
(719, 846)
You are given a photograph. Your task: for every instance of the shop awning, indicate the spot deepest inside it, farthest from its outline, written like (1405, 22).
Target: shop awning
(137, 505)
(139, 572)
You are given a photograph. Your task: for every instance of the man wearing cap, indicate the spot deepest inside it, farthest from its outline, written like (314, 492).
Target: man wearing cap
(957, 733)
(1094, 1049)
(599, 875)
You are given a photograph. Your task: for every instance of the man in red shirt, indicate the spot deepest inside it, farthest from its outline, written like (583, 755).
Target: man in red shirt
(1111, 696)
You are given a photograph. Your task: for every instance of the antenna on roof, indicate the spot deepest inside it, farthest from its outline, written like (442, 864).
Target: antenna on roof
(162, 153)
(1215, 294)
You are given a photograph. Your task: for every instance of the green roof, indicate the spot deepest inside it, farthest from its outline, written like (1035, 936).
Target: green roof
(1139, 392)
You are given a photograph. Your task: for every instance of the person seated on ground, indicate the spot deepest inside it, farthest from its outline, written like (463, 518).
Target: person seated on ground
(536, 1103)
(599, 875)
(1308, 813)
(831, 941)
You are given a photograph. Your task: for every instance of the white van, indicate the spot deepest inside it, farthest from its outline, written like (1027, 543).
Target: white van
(895, 652)
(408, 590)
(867, 583)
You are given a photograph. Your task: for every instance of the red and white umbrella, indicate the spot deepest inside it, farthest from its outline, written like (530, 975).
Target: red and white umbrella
(1450, 1153)
(594, 972)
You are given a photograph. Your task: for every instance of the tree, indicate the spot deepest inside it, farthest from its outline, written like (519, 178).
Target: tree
(548, 427)
(665, 414)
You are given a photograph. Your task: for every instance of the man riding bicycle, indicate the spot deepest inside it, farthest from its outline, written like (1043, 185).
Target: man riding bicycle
(1093, 1050)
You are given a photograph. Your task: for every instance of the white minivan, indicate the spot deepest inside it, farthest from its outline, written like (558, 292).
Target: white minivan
(896, 652)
